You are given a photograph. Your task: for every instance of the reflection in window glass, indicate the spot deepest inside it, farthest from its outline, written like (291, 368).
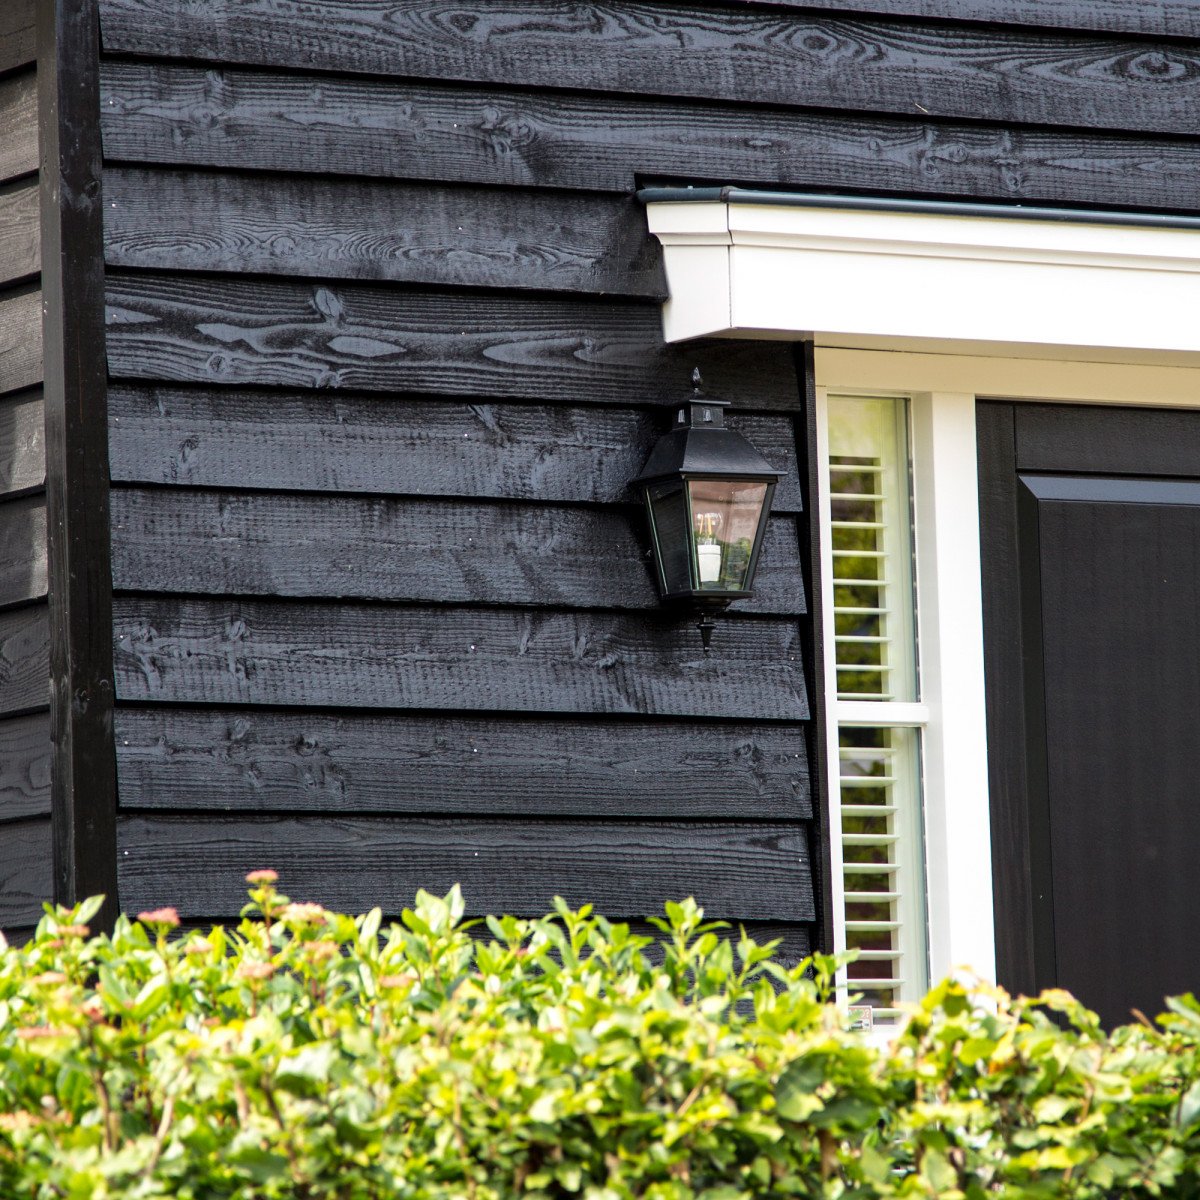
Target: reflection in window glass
(876, 660)
(882, 862)
(872, 549)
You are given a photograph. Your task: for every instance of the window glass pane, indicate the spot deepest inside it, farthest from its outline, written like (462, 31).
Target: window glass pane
(726, 515)
(872, 548)
(668, 511)
(883, 863)
(878, 770)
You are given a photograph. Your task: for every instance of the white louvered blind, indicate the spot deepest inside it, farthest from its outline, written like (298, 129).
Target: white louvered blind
(878, 767)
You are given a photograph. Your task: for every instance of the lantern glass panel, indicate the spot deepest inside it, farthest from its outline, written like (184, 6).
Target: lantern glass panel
(725, 518)
(668, 515)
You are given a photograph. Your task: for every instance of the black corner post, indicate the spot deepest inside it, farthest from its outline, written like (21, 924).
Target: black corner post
(84, 778)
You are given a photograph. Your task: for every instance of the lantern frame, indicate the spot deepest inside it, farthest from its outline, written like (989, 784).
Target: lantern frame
(699, 448)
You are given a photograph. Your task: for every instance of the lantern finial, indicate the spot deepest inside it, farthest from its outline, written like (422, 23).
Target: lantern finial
(697, 382)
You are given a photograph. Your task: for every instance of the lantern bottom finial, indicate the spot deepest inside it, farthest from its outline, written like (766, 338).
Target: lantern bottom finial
(706, 625)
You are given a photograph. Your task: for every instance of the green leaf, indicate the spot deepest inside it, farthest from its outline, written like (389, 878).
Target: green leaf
(112, 984)
(942, 1177)
(88, 908)
(308, 1068)
(151, 998)
(795, 1093)
(455, 904)
(1189, 1108)
(369, 929)
(262, 1166)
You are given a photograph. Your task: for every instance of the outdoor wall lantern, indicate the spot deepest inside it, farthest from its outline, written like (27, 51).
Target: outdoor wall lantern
(708, 494)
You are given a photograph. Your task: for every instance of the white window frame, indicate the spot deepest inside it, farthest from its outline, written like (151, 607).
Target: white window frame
(953, 758)
(941, 309)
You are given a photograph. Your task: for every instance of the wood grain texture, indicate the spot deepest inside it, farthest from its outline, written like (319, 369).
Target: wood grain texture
(22, 443)
(22, 550)
(418, 447)
(707, 52)
(24, 660)
(289, 335)
(18, 122)
(81, 698)
(249, 760)
(1005, 659)
(25, 754)
(256, 652)
(20, 339)
(20, 254)
(25, 872)
(1106, 440)
(411, 233)
(429, 551)
(1157, 18)
(18, 43)
(171, 114)
(627, 869)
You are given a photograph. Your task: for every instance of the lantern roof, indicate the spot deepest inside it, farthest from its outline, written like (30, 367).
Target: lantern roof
(699, 444)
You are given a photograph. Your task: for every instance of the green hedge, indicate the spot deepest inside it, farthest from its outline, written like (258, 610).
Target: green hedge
(310, 1054)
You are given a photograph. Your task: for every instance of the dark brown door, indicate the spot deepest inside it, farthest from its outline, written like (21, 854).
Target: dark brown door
(1090, 522)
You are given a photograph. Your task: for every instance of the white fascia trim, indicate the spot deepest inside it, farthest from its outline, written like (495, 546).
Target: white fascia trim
(897, 278)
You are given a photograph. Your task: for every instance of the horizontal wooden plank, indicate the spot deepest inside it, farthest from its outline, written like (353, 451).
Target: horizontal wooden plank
(22, 550)
(711, 52)
(20, 231)
(20, 339)
(627, 869)
(25, 754)
(18, 119)
(429, 551)
(201, 330)
(22, 443)
(367, 656)
(249, 760)
(26, 875)
(406, 233)
(171, 114)
(18, 43)
(24, 660)
(416, 447)
(1155, 18)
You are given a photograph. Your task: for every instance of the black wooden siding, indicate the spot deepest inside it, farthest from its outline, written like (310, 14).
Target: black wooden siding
(383, 616)
(25, 850)
(381, 302)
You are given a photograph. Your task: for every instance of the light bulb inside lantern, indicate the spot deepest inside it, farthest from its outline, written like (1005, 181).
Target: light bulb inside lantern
(708, 547)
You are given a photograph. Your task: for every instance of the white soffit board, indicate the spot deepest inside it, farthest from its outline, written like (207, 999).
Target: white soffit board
(913, 279)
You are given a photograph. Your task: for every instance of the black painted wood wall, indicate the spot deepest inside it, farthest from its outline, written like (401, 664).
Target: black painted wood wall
(25, 852)
(383, 613)
(384, 349)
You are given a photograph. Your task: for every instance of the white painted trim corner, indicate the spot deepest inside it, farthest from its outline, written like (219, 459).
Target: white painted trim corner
(958, 841)
(760, 270)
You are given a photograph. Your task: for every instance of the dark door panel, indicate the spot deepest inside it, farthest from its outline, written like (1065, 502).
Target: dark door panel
(1108, 439)
(1092, 624)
